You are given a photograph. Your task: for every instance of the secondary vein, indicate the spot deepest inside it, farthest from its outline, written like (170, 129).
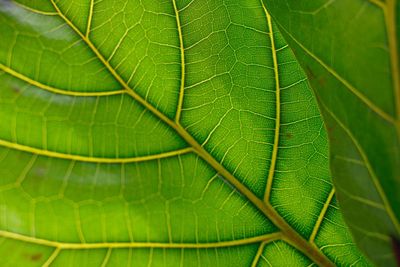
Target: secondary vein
(37, 84)
(183, 64)
(90, 18)
(260, 250)
(74, 157)
(65, 245)
(278, 109)
(322, 214)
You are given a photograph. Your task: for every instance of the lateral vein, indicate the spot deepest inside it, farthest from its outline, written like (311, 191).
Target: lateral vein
(90, 17)
(183, 64)
(378, 3)
(46, 13)
(53, 154)
(258, 254)
(321, 216)
(278, 109)
(56, 90)
(64, 245)
(52, 257)
(107, 257)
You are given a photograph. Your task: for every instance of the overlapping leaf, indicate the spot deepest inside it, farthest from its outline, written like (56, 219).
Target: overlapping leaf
(350, 51)
(160, 133)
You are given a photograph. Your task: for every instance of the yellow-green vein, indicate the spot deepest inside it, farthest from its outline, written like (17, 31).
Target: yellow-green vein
(379, 3)
(90, 18)
(106, 257)
(46, 13)
(278, 109)
(322, 215)
(74, 157)
(258, 254)
(64, 245)
(52, 257)
(56, 90)
(182, 51)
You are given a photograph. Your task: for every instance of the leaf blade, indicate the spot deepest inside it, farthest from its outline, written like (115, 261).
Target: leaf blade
(105, 184)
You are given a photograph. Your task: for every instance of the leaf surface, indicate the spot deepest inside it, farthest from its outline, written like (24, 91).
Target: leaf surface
(349, 50)
(160, 133)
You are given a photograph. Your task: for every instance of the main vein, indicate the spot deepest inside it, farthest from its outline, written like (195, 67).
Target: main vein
(288, 233)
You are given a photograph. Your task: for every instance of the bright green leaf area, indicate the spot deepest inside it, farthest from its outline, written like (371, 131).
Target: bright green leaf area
(350, 51)
(160, 133)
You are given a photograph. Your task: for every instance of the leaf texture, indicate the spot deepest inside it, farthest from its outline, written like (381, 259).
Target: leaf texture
(160, 133)
(349, 50)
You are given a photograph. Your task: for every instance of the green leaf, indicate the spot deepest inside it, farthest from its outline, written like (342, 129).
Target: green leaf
(160, 133)
(349, 50)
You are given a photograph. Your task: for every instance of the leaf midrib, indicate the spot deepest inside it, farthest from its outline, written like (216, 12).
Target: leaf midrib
(287, 233)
